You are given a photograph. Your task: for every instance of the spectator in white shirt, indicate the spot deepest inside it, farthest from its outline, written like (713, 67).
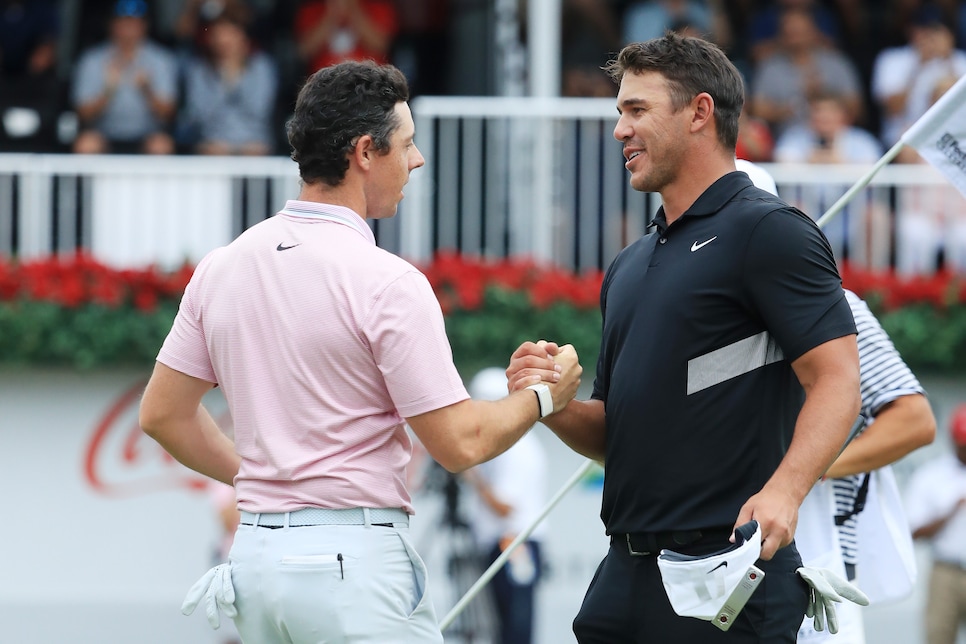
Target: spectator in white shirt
(903, 78)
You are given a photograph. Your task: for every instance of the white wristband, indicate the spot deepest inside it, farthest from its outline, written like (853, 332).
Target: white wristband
(544, 398)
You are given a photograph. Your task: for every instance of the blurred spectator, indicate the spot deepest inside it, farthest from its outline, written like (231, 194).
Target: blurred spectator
(187, 31)
(420, 48)
(125, 90)
(899, 14)
(764, 29)
(590, 34)
(828, 137)
(28, 37)
(801, 66)
(935, 502)
(330, 31)
(196, 15)
(187, 20)
(930, 220)
(647, 19)
(230, 91)
(861, 230)
(903, 78)
(510, 495)
(30, 95)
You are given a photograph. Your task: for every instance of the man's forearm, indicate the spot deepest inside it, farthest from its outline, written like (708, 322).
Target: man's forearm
(198, 443)
(821, 430)
(829, 374)
(581, 426)
(904, 425)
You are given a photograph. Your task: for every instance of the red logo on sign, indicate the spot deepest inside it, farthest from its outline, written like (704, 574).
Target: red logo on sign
(121, 460)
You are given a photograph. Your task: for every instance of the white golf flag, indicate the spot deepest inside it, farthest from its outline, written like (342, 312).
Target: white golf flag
(940, 135)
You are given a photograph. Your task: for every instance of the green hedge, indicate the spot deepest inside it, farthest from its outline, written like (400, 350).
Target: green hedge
(930, 339)
(487, 336)
(76, 312)
(84, 337)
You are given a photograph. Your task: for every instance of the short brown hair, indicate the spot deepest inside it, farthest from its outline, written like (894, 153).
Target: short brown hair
(336, 106)
(690, 66)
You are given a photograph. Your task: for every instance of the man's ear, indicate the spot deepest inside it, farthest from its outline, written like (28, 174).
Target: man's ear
(364, 151)
(702, 106)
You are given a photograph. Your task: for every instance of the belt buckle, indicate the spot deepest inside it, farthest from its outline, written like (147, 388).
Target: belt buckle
(630, 548)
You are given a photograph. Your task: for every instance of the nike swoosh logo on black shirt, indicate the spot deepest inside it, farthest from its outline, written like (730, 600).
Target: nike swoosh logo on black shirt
(696, 246)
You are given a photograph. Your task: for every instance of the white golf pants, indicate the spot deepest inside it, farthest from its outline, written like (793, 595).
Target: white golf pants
(330, 584)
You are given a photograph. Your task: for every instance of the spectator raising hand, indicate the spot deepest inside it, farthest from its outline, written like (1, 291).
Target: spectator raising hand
(331, 31)
(125, 89)
(904, 78)
(230, 91)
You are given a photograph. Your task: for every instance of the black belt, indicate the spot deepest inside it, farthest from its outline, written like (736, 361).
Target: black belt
(651, 543)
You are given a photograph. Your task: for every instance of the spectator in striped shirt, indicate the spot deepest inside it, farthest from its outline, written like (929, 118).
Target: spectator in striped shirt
(898, 419)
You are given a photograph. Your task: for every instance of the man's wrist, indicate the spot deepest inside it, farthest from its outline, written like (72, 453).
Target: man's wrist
(544, 398)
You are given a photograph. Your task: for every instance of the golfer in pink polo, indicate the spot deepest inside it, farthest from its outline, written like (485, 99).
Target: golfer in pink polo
(325, 346)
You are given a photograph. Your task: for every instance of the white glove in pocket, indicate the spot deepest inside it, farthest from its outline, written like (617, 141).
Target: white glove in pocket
(216, 589)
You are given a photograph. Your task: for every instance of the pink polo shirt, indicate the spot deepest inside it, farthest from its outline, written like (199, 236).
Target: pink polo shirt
(322, 343)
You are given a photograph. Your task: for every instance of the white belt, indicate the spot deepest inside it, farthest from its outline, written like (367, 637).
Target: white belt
(323, 516)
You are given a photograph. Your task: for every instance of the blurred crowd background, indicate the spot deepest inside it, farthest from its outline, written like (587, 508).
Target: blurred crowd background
(221, 76)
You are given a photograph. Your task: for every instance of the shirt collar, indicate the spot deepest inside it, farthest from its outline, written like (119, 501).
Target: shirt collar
(711, 200)
(328, 212)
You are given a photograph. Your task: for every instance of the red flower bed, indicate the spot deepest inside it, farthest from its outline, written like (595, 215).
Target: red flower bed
(75, 280)
(461, 282)
(74, 310)
(892, 291)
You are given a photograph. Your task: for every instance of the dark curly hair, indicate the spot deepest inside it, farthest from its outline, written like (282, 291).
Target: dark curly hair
(336, 106)
(690, 66)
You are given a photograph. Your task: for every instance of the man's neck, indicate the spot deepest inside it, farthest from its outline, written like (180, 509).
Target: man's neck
(692, 182)
(340, 195)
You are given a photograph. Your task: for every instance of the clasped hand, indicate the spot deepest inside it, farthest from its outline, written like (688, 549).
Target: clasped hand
(558, 366)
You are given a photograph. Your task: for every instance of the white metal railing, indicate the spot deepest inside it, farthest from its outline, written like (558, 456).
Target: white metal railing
(546, 175)
(504, 176)
(134, 210)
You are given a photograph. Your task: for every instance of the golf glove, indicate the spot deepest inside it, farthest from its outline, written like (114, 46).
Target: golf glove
(825, 588)
(217, 591)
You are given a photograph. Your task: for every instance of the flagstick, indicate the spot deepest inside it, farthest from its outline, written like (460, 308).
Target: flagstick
(861, 183)
(496, 565)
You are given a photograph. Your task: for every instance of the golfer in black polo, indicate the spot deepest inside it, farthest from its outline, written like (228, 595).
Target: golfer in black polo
(728, 375)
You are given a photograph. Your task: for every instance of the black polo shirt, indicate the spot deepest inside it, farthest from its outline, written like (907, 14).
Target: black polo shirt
(702, 320)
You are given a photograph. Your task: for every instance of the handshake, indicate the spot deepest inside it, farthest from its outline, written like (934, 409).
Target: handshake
(553, 371)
